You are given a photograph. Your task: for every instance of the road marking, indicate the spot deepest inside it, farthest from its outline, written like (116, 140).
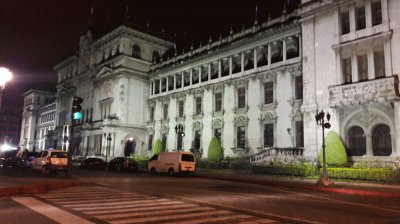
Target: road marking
(49, 211)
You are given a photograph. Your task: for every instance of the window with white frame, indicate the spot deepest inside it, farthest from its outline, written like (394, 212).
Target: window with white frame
(186, 78)
(346, 70)
(360, 18)
(151, 113)
(262, 56)
(204, 73)
(165, 111)
(362, 64)
(236, 63)
(224, 67)
(218, 101)
(299, 133)
(218, 134)
(268, 92)
(197, 140)
(268, 135)
(157, 86)
(163, 85)
(135, 51)
(198, 108)
(248, 60)
(376, 12)
(170, 83)
(345, 22)
(195, 75)
(181, 106)
(292, 47)
(379, 63)
(276, 51)
(241, 96)
(241, 137)
(214, 70)
(150, 143)
(298, 87)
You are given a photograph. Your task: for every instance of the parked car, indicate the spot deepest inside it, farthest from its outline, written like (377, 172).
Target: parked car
(9, 159)
(123, 164)
(27, 159)
(172, 162)
(93, 163)
(51, 161)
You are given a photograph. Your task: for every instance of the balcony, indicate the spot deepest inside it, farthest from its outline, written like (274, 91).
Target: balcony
(378, 90)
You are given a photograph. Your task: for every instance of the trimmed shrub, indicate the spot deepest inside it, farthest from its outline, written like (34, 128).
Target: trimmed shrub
(215, 152)
(157, 147)
(335, 151)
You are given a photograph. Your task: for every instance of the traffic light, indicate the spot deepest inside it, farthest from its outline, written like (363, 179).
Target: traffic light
(76, 108)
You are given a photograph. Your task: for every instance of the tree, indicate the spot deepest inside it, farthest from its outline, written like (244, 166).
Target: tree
(215, 152)
(157, 147)
(334, 149)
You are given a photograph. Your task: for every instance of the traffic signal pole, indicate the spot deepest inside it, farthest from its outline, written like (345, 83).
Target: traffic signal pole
(76, 114)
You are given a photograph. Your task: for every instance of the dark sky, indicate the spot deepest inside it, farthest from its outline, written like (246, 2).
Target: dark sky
(35, 35)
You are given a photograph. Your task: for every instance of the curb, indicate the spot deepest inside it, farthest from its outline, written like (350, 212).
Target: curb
(333, 189)
(38, 188)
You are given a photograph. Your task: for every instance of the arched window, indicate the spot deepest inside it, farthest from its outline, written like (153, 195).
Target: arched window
(356, 141)
(136, 51)
(156, 57)
(381, 140)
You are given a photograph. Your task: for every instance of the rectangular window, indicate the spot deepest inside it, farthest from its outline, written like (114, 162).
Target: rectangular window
(214, 70)
(376, 11)
(268, 92)
(195, 76)
(186, 78)
(151, 113)
(249, 60)
(262, 56)
(299, 87)
(268, 135)
(150, 143)
(198, 105)
(345, 22)
(157, 87)
(225, 67)
(197, 141)
(346, 70)
(165, 111)
(204, 73)
(236, 63)
(178, 83)
(170, 83)
(299, 134)
(164, 142)
(241, 137)
(181, 108)
(218, 134)
(218, 102)
(241, 97)
(362, 64)
(379, 62)
(360, 18)
(163, 85)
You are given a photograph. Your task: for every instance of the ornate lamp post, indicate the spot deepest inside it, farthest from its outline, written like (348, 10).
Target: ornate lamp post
(108, 144)
(5, 76)
(320, 119)
(179, 130)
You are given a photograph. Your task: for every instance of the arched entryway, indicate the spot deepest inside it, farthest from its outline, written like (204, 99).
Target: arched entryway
(130, 145)
(357, 143)
(381, 140)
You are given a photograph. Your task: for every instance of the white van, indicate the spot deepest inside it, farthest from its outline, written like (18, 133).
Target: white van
(172, 162)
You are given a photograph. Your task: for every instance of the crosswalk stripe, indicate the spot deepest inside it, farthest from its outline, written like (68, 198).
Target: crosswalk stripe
(212, 219)
(51, 212)
(139, 212)
(88, 200)
(126, 208)
(181, 216)
(109, 204)
(152, 207)
(262, 221)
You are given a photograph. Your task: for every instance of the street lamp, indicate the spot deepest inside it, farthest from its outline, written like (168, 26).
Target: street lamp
(109, 144)
(5, 76)
(179, 130)
(320, 119)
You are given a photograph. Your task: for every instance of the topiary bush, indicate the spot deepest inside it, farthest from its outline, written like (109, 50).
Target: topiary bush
(215, 152)
(157, 147)
(335, 151)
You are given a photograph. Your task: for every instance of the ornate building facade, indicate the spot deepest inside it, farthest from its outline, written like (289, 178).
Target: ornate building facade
(254, 90)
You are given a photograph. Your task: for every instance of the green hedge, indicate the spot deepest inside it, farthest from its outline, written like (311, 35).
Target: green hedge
(369, 174)
(294, 170)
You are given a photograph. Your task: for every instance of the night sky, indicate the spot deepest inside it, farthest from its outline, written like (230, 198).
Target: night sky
(35, 35)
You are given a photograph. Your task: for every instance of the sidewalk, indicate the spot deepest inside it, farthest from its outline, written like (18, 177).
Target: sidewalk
(340, 187)
(11, 184)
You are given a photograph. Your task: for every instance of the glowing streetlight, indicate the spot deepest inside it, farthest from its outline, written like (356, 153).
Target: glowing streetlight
(5, 76)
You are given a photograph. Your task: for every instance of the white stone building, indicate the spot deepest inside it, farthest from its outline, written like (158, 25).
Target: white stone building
(255, 90)
(38, 120)
(351, 55)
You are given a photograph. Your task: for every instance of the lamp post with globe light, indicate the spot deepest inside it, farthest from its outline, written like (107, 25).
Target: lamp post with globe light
(5, 76)
(320, 119)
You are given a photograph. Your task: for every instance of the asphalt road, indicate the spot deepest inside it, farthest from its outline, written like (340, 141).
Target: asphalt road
(108, 197)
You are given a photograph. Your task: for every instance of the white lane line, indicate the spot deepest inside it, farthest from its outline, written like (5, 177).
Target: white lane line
(49, 211)
(136, 213)
(181, 216)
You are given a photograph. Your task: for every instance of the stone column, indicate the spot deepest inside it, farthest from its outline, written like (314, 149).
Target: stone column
(395, 134)
(284, 49)
(368, 145)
